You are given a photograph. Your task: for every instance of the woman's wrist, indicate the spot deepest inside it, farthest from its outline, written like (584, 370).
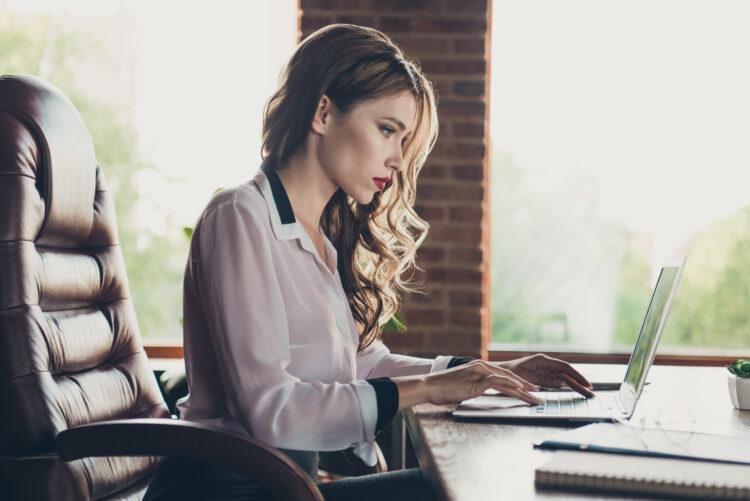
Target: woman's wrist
(412, 390)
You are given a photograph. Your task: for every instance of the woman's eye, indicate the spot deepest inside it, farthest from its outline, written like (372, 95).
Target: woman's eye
(389, 130)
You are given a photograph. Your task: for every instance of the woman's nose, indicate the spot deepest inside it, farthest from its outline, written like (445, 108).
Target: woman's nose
(397, 161)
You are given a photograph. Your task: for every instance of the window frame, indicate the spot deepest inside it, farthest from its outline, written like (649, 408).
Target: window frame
(500, 353)
(164, 350)
(718, 358)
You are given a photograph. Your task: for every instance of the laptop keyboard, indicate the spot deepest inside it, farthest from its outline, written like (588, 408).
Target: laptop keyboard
(573, 403)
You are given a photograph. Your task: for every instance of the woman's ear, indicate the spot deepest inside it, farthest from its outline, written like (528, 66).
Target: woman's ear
(322, 118)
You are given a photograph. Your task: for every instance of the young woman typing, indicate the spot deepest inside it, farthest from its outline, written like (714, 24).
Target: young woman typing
(291, 276)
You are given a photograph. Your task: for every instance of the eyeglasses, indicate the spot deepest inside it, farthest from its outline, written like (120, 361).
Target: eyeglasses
(672, 422)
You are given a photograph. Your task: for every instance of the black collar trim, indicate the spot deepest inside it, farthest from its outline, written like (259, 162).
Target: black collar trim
(280, 197)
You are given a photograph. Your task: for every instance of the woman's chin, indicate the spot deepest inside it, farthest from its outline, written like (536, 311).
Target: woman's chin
(364, 198)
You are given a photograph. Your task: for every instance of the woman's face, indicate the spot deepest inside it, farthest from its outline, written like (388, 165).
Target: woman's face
(365, 144)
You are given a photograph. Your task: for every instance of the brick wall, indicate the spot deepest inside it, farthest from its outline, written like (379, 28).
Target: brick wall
(450, 38)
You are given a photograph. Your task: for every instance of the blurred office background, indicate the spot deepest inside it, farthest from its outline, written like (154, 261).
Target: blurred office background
(617, 134)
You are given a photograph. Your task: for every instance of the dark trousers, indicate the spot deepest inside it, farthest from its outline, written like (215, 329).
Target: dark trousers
(186, 479)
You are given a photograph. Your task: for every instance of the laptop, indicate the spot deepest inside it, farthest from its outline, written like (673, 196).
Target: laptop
(568, 406)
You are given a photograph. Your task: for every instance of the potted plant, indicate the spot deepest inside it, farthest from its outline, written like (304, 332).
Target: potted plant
(739, 384)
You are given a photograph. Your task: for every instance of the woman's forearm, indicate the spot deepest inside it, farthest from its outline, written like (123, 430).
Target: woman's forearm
(412, 390)
(460, 383)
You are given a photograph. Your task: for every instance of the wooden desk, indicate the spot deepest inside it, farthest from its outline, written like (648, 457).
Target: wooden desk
(484, 460)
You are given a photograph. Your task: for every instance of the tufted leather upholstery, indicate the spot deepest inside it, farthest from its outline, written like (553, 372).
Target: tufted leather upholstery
(70, 349)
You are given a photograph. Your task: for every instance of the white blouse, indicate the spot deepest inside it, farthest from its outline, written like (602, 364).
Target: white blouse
(270, 340)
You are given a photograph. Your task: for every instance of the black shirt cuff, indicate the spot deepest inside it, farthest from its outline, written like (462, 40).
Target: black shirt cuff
(386, 394)
(455, 361)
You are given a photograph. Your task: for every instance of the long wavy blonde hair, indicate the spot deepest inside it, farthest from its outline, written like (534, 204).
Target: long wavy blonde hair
(377, 242)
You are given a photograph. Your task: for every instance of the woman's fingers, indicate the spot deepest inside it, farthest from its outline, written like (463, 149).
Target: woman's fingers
(509, 387)
(576, 386)
(499, 371)
(568, 370)
(565, 372)
(526, 385)
(525, 396)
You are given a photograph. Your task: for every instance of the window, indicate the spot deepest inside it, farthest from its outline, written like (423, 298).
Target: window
(173, 94)
(619, 137)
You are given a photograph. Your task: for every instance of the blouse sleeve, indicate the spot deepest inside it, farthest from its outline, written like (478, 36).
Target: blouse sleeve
(377, 361)
(245, 310)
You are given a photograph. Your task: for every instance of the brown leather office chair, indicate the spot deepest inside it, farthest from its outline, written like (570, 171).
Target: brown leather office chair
(81, 415)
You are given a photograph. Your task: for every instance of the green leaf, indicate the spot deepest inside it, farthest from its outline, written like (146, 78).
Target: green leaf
(395, 324)
(188, 231)
(740, 368)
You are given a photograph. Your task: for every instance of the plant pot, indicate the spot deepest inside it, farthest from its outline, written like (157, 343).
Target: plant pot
(739, 392)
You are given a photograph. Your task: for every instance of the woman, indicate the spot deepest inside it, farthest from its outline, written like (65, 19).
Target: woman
(291, 276)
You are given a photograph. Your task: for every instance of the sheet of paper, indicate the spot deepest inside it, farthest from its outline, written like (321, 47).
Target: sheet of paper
(654, 441)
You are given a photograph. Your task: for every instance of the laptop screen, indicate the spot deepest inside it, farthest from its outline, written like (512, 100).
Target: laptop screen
(653, 324)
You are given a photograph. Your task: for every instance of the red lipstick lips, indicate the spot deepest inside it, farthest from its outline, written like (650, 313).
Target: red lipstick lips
(380, 182)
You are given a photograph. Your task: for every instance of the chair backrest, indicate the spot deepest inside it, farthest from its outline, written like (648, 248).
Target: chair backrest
(70, 348)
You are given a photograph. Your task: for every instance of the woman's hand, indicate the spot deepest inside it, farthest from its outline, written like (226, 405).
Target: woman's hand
(549, 372)
(460, 383)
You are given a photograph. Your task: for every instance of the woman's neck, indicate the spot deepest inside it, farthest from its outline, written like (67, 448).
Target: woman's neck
(308, 187)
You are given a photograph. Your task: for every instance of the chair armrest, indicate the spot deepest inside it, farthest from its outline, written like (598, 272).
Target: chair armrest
(242, 454)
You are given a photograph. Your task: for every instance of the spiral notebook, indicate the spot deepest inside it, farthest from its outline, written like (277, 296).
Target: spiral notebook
(638, 475)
